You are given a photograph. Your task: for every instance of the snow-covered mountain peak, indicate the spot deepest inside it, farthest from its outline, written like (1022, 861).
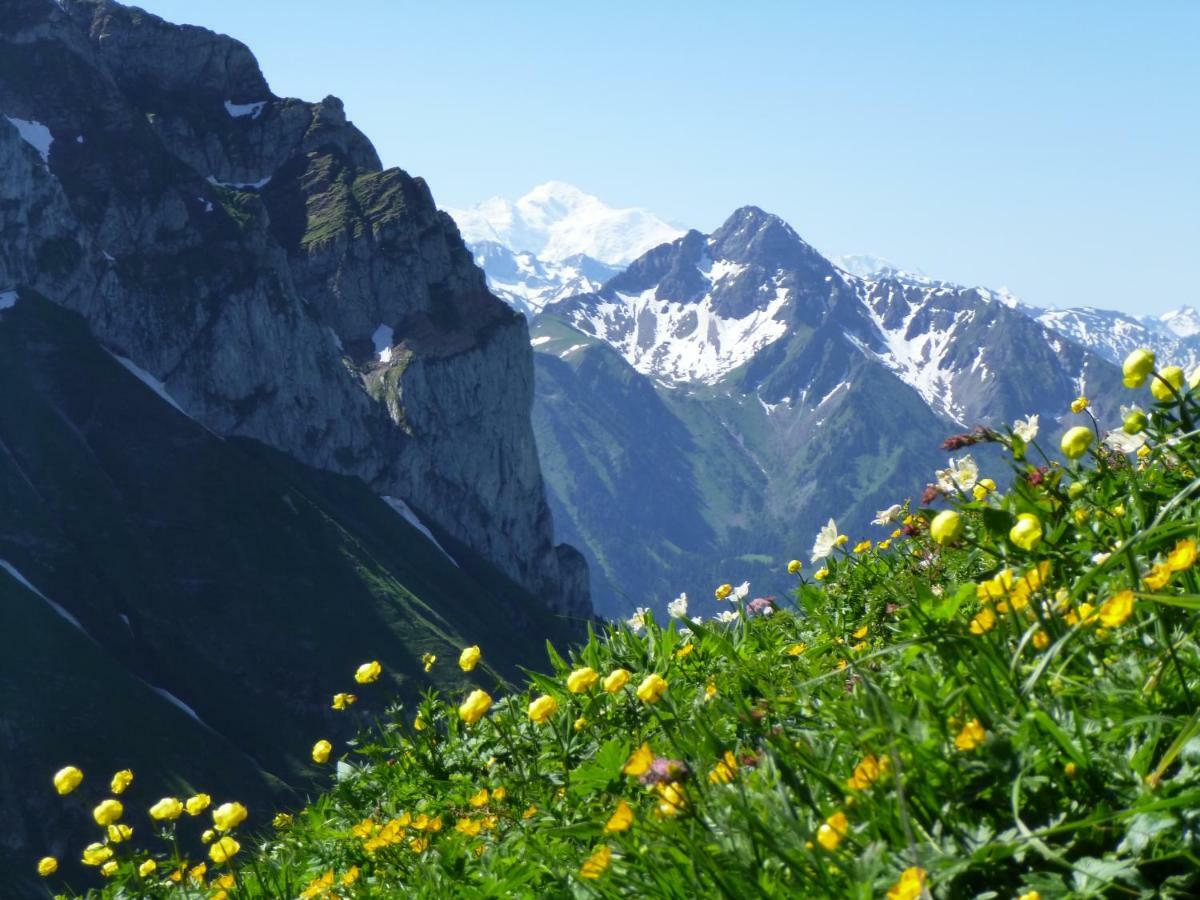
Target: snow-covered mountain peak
(1183, 322)
(556, 220)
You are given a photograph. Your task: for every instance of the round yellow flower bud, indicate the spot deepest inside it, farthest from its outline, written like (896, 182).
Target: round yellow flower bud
(1076, 441)
(108, 811)
(223, 850)
(96, 855)
(541, 709)
(197, 804)
(121, 781)
(1075, 491)
(166, 809)
(1168, 378)
(229, 816)
(582, 680)
(469, 658)
(1027, 533)
(616, 679)
(1135, 422)
(946, 527)
(207, 836)
(1079, 404)
(475, 706)
(66, 780)
(368, 672)
(1137, 368)
(794, 567)
(652, 688)
(109, 869)
(147, 868)
(320, 752)
(47, 866)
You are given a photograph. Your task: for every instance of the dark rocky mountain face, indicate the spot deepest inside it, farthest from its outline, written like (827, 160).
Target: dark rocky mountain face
(251, 253)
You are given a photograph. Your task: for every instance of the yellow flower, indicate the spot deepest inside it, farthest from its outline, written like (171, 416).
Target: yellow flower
(885, 543)
(344, 701)
(869, 770)
(984, 487)
(910, 885)
(725, 770)
(368, 672)
(1041, 640)
(821, 574)
(166, 809)
(861, 632)
(530, 812)
(473, 708)
(1027, 533)
(282, 820)
(320, 752)
(419, 724)
(47, 866)
(1079, 404)
(946, 527)
(1137, 368)
(1030, 895)
(469, 658)
(1116, 609)
(468, 826)
(119, 833)
(596, 864)
(841, 540)
(795, 649)
(66, 780)
(427, 660)
(863, 546)
(418, 845)
(541, 709)
(1076, 441)
(96, 854)
(710, 689)
(1071, 769)
(832, 830)
(479, 798)
(207, 836)
(616, 679)
(582, 680)
(318, 886)
(196, 873)
(621, 818)
(580, 723)
(652, 688)
(639, 761)
(724, 591)
(197, 804)
(671, 798)
(1168, 378)
(223, 850)
(147, 868)
(971, 736)
(1158, 577)
(351, 876)
(121, 781)
(229, 816)
(1183, 556)
(684, 651)
(984, 621)
(108, 811)
(109, 869)
(794, 567)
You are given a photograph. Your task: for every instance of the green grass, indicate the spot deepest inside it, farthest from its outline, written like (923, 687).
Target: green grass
(965, 716)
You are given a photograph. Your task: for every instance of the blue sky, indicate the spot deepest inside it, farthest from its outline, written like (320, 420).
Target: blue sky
(1050, 150)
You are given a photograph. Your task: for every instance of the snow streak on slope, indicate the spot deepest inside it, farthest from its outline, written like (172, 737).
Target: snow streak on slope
(1173, 336)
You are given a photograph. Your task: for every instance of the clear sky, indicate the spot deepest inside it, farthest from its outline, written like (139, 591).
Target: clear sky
(1048, 147)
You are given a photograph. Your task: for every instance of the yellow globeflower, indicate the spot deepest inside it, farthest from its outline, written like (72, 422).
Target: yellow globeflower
(984, 621)
(671, 798)
(1168, 378)
(723, 591)
(1137, 368)
(621, 818)
(320, 752)
(821, 574)
(223, 850)
(96, 855)
(473, 708)
(984, 487)
(229, 816)
(66, 780)
(725, 770)
(469, 658)
(946, 527)
(582, 680)
(580, 723)
(206, 837)
(368, 672)
(468, 826)
(616, 679)
(427, 660)
(47, 866)
(910, 886)
(147, 868)
(541, 709)
(794, 567)
(596, 864)
(119, 833)
(109, 869)
(121, 781)
(1030, 895)
(344, 701)
(832, 830)
(166, 809)
(197, 803)
(1116, 609)
(1183, 556)
(971, 736)
(1027, 533)
(652, 688)
(1075, 441)
(639, 761)
(1079, 404)
(108, 811)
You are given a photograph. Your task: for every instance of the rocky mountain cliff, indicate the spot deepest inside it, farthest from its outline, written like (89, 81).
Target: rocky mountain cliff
(251, 253)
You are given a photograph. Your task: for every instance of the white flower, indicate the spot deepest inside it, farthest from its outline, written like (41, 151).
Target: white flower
(727, 615)
(638, 620)
(740, 592)
(961, 474)
(677, 608)
(685, 632)
(767, 610)
(1124, 443)
(1026, 429)
(696, 620)
(1099, 558)
(826, 541)
(887, 516)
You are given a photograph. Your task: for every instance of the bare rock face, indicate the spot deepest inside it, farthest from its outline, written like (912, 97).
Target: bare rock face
(252, 253)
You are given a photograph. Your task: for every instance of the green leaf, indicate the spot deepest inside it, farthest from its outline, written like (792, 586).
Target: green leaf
(602, 769)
